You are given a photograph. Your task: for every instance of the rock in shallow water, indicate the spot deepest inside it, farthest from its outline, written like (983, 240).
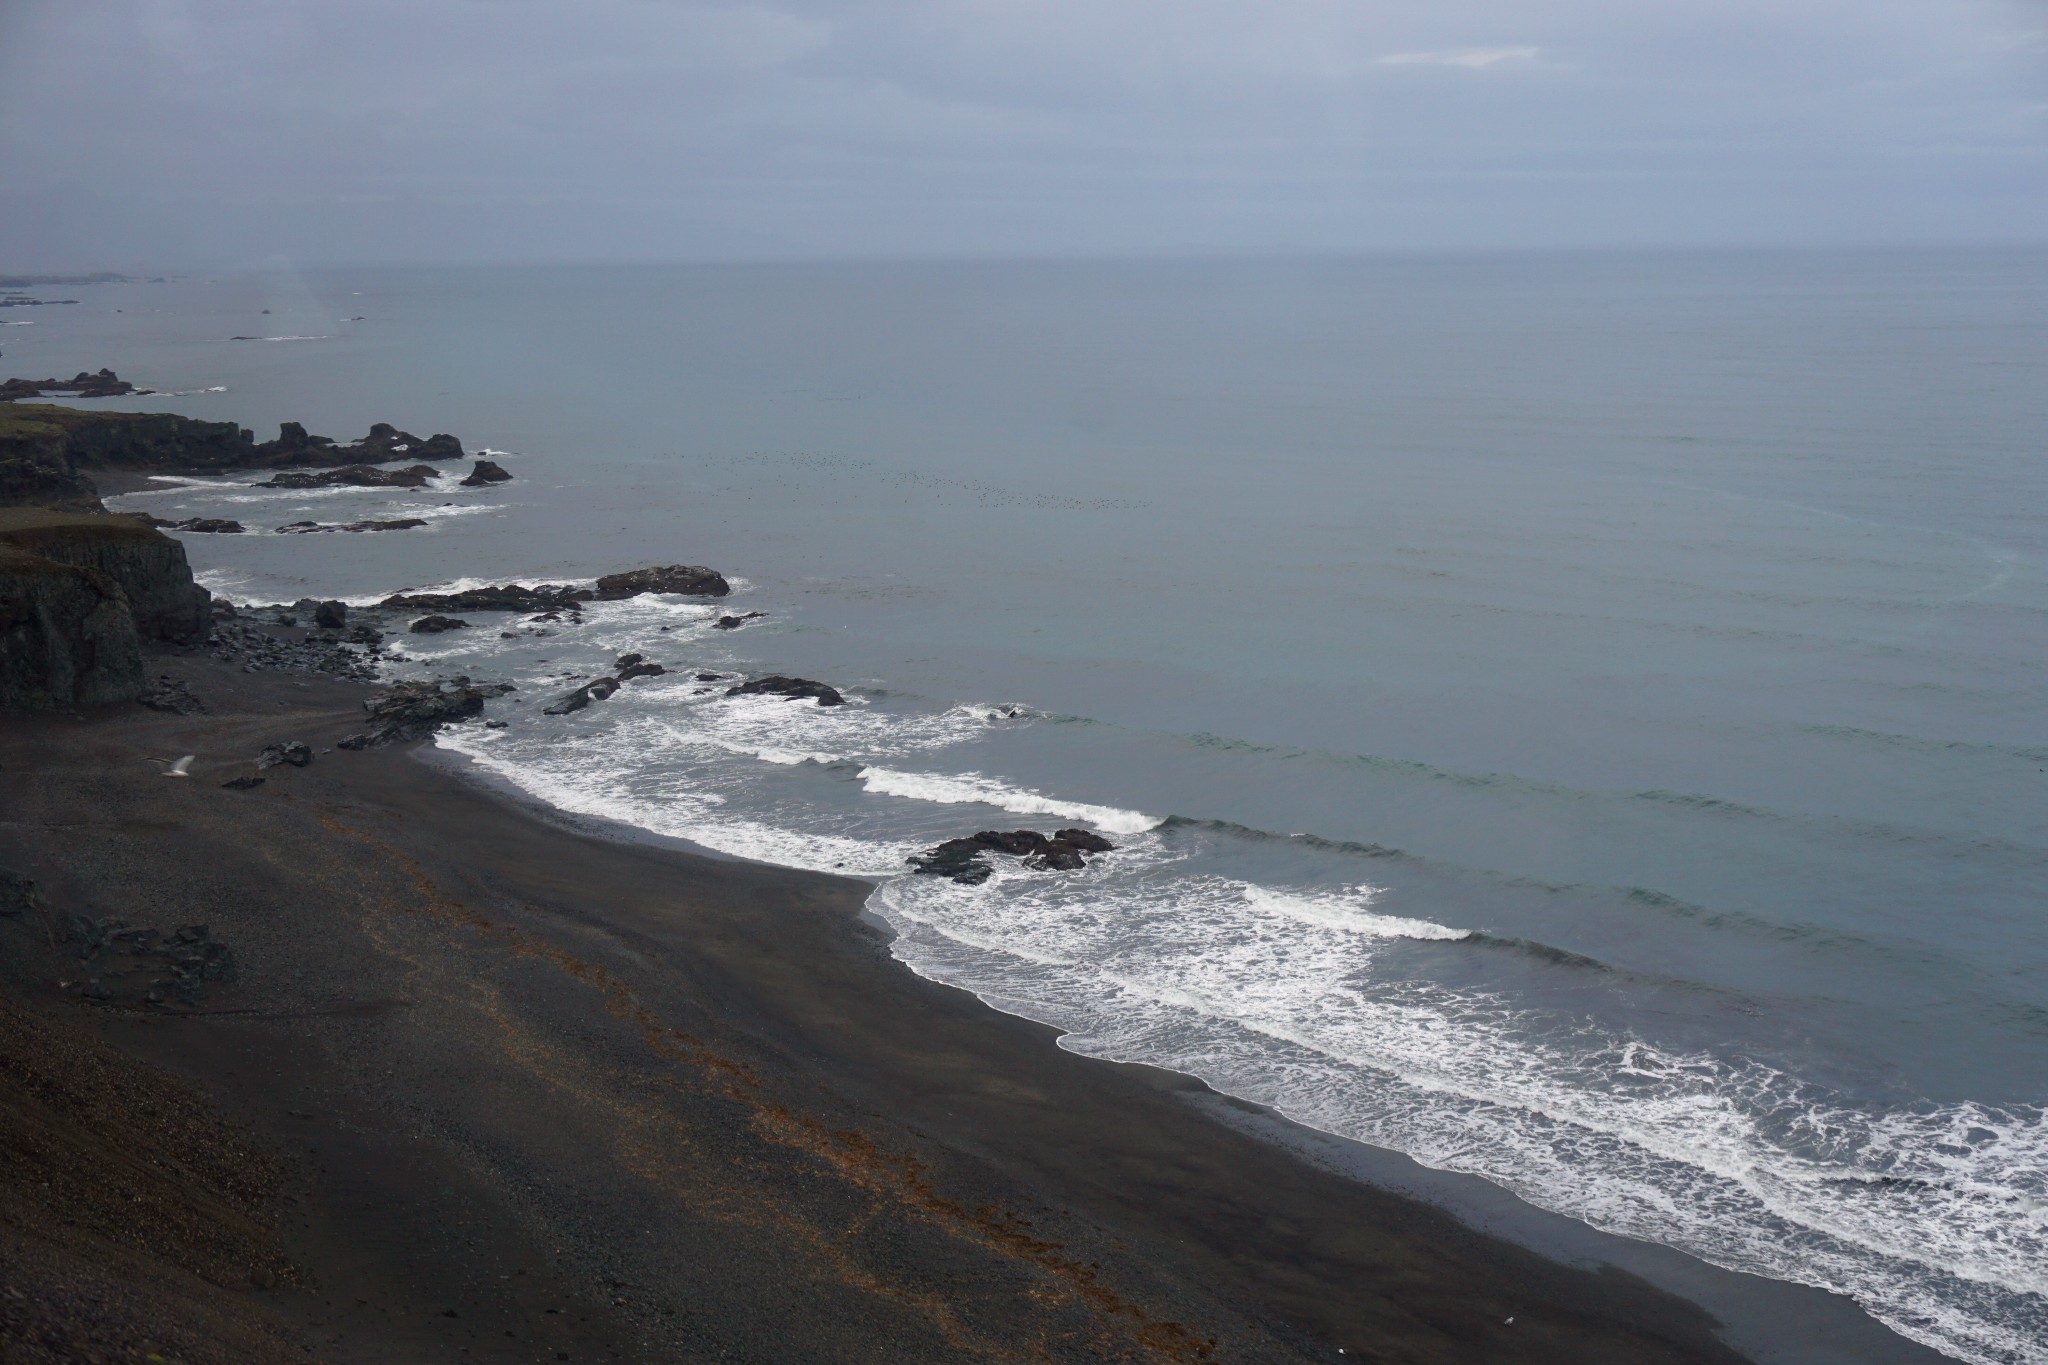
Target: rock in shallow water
(793, 688)
(599, 689)
(964, 860)
(486, 472)
(692, 579)
(436, 625)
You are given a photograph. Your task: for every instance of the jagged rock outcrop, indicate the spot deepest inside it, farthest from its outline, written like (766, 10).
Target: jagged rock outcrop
(693, 579)
(105, 384)
(964, 860)
(415, 710)
(436, 625)
(47, 453)
(793, 688)
(486, 472)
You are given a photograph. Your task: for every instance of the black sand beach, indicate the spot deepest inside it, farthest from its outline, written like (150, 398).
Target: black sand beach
(485, 1088)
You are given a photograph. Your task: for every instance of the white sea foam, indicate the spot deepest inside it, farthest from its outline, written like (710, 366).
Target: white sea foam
(1934, 1219)
(583, 787)
(1346, 912)
(975, 789)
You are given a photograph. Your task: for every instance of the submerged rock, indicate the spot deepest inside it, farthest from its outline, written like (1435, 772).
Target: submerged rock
(599, 689)
(542, 597)
(735, 622)
(300, 528)
(793, 688)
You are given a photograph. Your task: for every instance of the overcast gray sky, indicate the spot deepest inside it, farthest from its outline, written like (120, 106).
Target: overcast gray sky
(223, 132)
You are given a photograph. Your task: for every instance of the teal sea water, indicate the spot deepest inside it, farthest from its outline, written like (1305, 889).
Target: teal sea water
(1577, 720)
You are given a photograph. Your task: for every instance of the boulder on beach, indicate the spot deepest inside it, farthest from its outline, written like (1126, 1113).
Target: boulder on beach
(435, 625)
(414, 710)
(793, 688)
(330, 615)
(296, 754)
(486, 472)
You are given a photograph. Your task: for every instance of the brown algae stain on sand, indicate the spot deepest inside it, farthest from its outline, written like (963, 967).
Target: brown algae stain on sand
(886, 1178)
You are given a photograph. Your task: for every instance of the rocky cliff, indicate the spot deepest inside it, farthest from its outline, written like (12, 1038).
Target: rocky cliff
(67, 638)
(79, 593)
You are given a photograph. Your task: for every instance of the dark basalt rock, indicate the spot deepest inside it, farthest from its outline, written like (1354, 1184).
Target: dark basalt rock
(212, 526)
(599, 689)
(541, 597)
(486, 472)
(415, 710)
(640, 670)
(735, 622)
(692, 579)
(435, 625)
(299, 528)
(168, 694)
(331, 615)
(17, 894)
(959, 859)
(962, 860)
(105, 384)
(793, 688)
(296, 754)
(147, 966)
(354, 476)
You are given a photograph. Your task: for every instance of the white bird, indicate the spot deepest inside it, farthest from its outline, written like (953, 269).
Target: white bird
(177, 769)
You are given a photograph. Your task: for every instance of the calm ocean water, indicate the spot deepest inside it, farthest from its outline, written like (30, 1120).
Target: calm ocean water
(1581, 721)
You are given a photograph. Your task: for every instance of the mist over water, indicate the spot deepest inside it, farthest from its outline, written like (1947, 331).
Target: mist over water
(1576, 720)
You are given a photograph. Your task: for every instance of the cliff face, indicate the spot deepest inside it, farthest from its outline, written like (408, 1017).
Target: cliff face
(66, 636)
(45, 450)
(78, 596)
(149, 566)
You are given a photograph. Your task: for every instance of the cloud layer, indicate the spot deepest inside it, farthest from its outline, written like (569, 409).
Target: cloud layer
(218, 131)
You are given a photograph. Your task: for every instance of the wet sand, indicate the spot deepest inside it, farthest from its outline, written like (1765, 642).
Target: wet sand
(540, 1095)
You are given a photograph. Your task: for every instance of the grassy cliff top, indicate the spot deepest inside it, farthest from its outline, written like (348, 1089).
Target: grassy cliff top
(29, 526)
